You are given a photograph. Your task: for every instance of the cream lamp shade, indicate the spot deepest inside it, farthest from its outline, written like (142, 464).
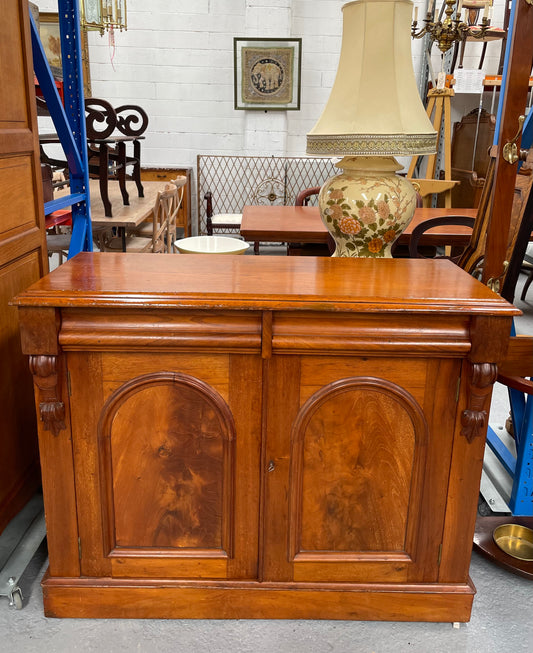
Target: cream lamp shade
(374, 107)
(373, 114)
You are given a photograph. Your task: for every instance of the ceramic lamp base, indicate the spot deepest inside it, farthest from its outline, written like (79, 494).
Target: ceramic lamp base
(367, 206)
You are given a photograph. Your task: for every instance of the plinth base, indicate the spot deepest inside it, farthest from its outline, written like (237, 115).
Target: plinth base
(100, 598)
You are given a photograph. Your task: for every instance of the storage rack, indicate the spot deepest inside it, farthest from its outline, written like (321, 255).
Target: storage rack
(69, 120)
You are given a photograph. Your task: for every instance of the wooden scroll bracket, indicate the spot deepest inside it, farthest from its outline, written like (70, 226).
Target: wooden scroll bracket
(474, 418)
(46, 378)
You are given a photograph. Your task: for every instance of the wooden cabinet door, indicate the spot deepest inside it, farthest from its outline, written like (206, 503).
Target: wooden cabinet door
(22, 254)
(358, 468)
(167, 463)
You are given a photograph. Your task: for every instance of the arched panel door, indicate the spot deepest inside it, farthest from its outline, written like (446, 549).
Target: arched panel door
(177, 482)
(357, 471)
(172, 491)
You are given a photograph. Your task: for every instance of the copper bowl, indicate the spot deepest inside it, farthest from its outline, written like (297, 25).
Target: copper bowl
(515, 540)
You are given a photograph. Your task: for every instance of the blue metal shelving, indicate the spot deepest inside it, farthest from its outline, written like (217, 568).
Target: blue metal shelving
(69, 120)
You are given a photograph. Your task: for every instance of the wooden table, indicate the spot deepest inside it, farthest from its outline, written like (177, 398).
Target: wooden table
(124, 217)
(261, 437)
(302, 224)
(109, 153)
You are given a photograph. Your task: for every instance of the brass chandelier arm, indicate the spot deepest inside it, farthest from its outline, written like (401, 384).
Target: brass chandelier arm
(446, 32)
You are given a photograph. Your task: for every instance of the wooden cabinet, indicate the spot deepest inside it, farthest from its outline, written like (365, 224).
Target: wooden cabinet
(23, 257)
(167, 174)
(261, 437)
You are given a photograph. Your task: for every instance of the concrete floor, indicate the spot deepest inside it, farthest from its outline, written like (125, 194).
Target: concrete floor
(502, 615)
(502, 620)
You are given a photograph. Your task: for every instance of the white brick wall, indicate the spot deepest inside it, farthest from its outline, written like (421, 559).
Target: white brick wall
(176, 61)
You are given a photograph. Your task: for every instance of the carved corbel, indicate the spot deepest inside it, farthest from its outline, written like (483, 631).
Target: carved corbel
(474, 417)
(46, 379)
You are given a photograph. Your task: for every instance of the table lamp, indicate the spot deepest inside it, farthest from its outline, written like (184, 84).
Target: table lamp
(373, 114)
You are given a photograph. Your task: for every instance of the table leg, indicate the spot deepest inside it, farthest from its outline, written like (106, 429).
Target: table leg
(256, 247)
(122, 232)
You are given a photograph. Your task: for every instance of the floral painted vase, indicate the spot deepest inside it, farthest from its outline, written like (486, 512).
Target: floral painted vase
(367, 206)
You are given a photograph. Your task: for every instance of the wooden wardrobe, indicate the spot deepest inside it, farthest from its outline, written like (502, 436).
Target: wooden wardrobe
(23, 257)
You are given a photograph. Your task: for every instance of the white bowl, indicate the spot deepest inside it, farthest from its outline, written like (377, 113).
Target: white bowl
(211, 245)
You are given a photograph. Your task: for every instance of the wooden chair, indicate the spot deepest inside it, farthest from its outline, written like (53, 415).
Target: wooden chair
(220, 222)
(474, 9)
(306, 195)
(518, 363)
(473, 253)
(59, 244)
(529, 278)
(153, 241)
(168, 204)
(471, 259)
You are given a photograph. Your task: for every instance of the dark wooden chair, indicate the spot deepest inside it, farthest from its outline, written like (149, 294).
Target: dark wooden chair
(107, 156)
(220, 222)
(471, 259)
(472, 255)
(109, 131)
(304, 196)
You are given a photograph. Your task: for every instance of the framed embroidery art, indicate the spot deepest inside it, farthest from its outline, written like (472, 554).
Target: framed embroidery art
(267, 73)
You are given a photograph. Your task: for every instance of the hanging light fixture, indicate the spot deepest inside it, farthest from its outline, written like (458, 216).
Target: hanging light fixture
(103, 15)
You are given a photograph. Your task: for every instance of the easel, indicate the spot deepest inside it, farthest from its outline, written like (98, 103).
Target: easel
(438, 101)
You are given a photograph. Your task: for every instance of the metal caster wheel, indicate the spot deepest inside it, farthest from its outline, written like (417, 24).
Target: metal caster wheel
(16, 599)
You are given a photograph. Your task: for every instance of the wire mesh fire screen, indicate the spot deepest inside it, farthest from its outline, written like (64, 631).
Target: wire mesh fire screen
(237, 181)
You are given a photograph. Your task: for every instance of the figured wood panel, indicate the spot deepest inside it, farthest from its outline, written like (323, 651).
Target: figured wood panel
(170, 443)
(359, 440)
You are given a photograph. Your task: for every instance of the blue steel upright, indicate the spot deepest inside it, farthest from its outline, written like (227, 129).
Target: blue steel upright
(69, 120)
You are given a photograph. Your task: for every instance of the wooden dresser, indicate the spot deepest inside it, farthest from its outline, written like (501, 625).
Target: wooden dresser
(261, 437)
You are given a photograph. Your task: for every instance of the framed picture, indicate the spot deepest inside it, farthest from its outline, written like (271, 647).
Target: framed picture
(267, 73)
(49, 33)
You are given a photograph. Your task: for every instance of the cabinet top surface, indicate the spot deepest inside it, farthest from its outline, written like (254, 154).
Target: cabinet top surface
(263, 282)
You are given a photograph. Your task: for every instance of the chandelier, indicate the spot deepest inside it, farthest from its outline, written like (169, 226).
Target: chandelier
(450, 30)
(103, 15)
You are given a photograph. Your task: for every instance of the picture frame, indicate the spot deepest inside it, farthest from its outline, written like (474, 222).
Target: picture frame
(49, 33)
(267, 73)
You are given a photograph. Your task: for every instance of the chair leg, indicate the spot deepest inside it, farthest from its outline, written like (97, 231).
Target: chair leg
(103, 177)
(526, 286)
(121, 172)
(136, 174)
